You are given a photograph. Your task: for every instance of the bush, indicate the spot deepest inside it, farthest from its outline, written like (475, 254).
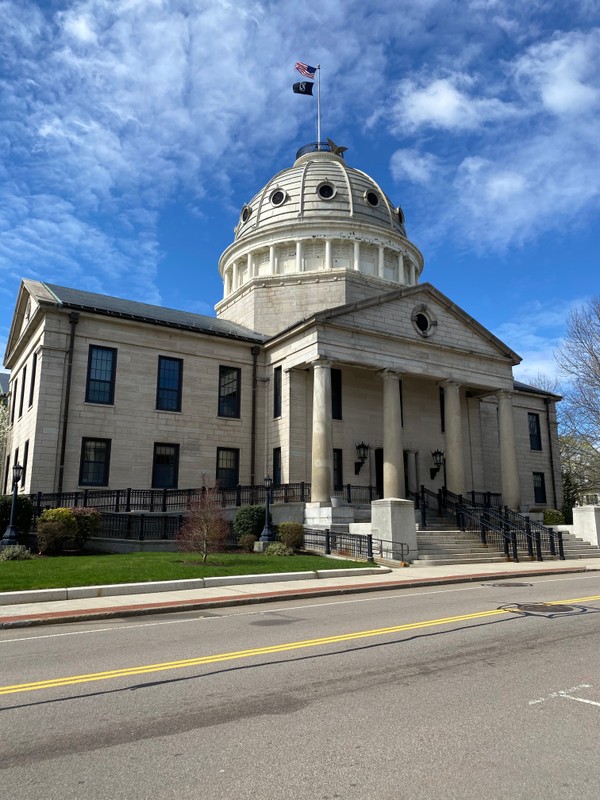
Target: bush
(23, 513)
(249, 519)
(291, 534)
(205, 529)
(88, 523)
(553, 517)
(246, 542)
(15, 552)
(56, 528)
(278, 549)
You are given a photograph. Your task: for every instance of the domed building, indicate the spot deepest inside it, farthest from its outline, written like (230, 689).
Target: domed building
(329, 366)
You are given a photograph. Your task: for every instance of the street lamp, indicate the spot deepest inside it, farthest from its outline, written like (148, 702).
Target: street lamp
(439, 461)
(267, 532)
(362, 453)
(10, 535)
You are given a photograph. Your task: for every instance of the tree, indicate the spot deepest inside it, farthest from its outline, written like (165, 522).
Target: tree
(205, 528)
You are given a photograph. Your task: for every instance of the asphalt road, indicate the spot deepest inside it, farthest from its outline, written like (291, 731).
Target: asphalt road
(465, 691)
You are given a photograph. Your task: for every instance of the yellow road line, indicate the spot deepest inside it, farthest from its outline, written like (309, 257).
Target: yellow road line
(259, 651)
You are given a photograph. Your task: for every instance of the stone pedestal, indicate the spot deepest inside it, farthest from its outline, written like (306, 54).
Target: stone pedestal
(320, 516)
(586, 523)
(393, 520)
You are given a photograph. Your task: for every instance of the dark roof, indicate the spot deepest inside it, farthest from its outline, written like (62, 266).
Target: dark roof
(4, 382)
(526, 387)
(153, 315)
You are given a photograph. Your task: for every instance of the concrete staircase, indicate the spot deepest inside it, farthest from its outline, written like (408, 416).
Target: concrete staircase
(443, 543)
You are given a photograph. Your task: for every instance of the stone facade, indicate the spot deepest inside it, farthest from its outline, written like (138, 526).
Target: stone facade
(328, 340)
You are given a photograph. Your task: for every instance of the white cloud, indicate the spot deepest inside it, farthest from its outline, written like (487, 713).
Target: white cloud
(409, 164)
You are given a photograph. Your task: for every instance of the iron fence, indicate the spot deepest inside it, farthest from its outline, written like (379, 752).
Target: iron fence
(351, 545)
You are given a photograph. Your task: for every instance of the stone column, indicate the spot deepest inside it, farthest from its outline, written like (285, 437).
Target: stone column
(250, 262)
(356, 264)
(235, 277)
(227, 282)
(511, 489)
(328, 261)
(412, 274)
(401, 275)
(381, 267)
(272, 265)
(455, 463)
(299, 255)
(322, 434)
(393, 453)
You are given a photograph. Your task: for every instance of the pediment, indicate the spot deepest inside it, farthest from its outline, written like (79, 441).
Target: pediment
(420, 315)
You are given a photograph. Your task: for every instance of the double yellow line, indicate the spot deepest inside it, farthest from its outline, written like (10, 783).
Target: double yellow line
(260, 651)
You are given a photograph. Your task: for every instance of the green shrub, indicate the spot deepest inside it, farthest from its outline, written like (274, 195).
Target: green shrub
(56, 528)
(23, 513)
(278, 549)
(553, 517)
(291, 534)
(246, 542)
(15, 552)
(249, 519)
(88, 523)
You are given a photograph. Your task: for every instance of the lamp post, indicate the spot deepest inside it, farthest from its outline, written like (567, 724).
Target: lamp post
(362, 453)
(267, 531)
(439, 461)
(10, 535)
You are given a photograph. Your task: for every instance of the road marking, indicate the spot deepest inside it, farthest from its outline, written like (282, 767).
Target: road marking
(260, 651)
(560, 693)
(337, 602)
(579, 699)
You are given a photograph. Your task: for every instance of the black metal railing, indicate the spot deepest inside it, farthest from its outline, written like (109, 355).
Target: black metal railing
(351, 545)
(315, 147)
(139, 526)
(165, 500)
(389, 550)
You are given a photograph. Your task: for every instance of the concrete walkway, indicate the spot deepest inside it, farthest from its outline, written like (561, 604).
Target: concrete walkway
(49, 606)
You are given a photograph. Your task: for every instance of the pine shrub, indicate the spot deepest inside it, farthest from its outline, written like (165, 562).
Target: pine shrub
(249, 520)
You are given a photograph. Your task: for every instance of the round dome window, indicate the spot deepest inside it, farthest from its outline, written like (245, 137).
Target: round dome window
(278, 197)
(372, 199)
(246, 212)
(424, 321)
(326, 190)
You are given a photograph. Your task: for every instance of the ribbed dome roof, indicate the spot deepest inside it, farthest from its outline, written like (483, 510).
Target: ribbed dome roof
(319, 187)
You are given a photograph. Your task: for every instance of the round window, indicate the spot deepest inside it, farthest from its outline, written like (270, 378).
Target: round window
(422, 323)
(326, 191)
(372, 199)
(246, 212)
(278, 197)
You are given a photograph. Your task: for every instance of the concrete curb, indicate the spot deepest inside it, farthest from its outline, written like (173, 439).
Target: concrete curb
(116, 589)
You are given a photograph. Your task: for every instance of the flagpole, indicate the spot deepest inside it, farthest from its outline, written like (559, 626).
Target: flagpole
(319, 106)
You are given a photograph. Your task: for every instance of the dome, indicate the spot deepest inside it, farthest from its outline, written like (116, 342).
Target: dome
(320, 215)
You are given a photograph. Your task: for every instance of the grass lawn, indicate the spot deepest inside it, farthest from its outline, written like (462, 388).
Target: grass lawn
(92, 570)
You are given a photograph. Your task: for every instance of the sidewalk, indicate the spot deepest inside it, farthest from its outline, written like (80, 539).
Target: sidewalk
(44, 607)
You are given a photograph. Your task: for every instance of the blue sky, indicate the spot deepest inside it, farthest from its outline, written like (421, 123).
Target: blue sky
(133, 131)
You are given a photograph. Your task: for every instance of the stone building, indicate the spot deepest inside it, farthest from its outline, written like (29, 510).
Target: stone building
(325, 339)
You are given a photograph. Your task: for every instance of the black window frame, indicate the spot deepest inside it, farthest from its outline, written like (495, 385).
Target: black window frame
(277, 386)
(91, 397)
(338, 469)
(13, 400)
(103, 479)
(276, 466)
(442, 410)
(22, 396)
(336, 393)
(401, 404)
(24, 464)
(539, 488)
(173, 482)
(535, 431)
(230, 403)
(221, 470)
(32, 380)
(168, 398)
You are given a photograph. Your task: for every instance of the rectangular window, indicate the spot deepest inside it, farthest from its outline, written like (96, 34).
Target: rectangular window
(277, 466)
(165, 466)
(6, 474)
(95, 462)
(102, 368)
(32, 382)
(535, 437)
(13, 399)
(22, 398)
(401, 405)
(336, 393)
(442, 411)
(277, 392)
(228, 467)
(229, 391)
(24, 464)
(338, 473)
(169, 383)
(539, 487)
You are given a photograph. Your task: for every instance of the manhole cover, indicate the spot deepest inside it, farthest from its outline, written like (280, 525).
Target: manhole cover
(544, 608)
(509, 585)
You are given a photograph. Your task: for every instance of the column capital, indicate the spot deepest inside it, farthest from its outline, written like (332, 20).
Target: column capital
(391, 374)
(321, 361)
(450, 384)
(505, 393)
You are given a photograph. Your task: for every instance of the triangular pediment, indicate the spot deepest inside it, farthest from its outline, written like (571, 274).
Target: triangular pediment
(421, 315)
(32, 294)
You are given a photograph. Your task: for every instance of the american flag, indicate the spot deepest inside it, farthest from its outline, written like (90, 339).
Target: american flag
(304, 69)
